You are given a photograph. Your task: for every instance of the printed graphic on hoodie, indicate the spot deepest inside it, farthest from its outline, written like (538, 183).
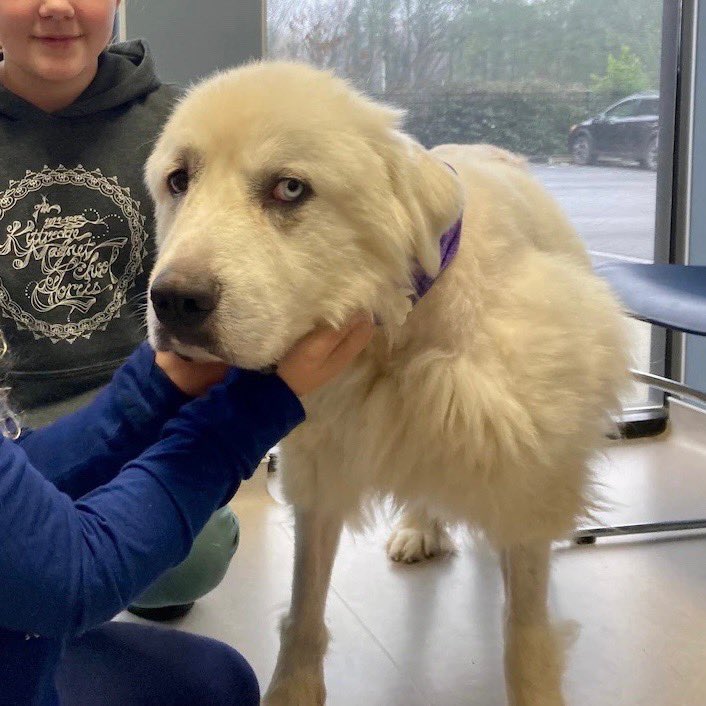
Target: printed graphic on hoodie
(71, 270)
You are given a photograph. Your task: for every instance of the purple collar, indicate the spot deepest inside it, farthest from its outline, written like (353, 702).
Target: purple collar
(421, 280)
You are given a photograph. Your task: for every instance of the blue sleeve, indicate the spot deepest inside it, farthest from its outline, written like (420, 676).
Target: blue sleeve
(67, 566)
(86, 449)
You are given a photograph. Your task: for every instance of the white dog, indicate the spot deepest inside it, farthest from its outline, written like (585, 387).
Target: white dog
(285, 199)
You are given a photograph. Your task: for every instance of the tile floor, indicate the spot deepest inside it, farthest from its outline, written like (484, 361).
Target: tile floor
(430, 634)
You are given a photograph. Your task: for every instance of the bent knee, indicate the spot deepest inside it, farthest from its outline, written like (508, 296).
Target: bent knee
(237, 683)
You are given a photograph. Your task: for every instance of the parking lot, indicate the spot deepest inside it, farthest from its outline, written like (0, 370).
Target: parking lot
(613, 208)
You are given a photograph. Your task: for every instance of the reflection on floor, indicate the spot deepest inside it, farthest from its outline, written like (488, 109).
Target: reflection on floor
(430, 634)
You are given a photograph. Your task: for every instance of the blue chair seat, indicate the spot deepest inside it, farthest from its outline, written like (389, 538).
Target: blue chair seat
(672, 296)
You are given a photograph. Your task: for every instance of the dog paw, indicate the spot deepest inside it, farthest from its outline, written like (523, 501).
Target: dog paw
(296, 690)
(411, 544)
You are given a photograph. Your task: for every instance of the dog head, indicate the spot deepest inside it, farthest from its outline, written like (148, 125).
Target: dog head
(285, 199)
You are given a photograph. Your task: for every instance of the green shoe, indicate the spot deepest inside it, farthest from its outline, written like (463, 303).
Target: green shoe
(173, 594)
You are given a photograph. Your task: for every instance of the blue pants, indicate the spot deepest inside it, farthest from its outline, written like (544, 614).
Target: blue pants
(126, 664)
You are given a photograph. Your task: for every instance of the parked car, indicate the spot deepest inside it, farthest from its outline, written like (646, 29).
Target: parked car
(627, 129)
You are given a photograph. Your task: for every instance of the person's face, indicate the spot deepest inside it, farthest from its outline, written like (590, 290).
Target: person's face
(55, 40)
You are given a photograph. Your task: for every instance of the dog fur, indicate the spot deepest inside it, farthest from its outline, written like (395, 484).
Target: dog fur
(482, 405)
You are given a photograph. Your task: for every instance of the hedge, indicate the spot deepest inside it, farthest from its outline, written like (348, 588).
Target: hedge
(533, 124)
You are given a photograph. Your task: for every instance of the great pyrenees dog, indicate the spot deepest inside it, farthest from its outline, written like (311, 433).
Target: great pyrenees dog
(285, 199)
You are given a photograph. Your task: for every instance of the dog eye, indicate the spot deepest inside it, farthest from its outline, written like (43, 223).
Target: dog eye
(178, 182)
(289, 190)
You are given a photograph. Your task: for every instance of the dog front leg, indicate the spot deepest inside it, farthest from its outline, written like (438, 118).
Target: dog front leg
(533, 648)
(298, 679)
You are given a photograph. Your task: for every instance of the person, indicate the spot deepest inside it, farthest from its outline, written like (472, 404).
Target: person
(97, 504)
(77, 120)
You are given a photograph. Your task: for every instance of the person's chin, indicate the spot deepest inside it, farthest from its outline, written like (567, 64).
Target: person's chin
(65, 69)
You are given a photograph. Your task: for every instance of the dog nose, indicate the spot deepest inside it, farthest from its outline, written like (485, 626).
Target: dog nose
(182, 301)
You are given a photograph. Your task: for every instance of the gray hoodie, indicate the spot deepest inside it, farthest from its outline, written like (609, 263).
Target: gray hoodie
(76, 227)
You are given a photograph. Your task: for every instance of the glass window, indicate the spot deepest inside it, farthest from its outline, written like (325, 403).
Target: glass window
(526, 75)
(650, 106)
(628, 109)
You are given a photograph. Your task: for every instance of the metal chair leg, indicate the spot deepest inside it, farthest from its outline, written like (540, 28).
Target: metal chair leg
(673, 387)
(589, 535)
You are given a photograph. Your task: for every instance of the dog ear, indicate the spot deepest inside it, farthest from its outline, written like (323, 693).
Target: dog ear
(428, 195)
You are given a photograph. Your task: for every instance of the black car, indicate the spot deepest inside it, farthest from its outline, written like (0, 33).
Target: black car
(627, 130)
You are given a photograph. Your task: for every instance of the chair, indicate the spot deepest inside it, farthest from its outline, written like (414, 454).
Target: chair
(674, 297)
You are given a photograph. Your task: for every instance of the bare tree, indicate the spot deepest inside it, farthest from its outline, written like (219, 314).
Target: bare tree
(423, 45)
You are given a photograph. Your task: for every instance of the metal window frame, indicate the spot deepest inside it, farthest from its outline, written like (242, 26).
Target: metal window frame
(682, 170)
(673, 195)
